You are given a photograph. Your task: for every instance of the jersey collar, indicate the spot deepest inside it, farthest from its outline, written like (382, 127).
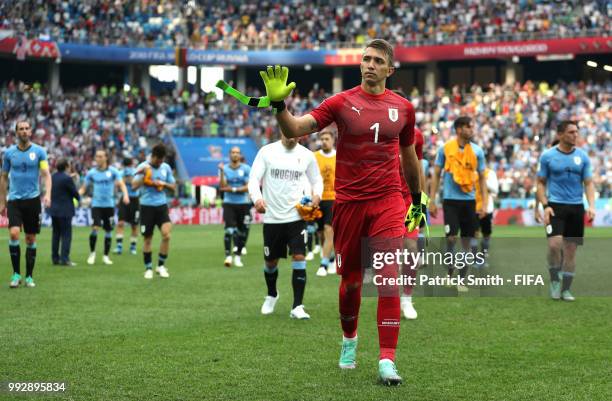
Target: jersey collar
(371, 95)
(565, 153)
(24, 150)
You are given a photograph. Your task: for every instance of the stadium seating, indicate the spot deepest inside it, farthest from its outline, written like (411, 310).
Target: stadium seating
(514, 123)
(299, 24)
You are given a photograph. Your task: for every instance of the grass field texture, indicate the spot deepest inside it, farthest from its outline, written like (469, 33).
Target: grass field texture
(112, 335)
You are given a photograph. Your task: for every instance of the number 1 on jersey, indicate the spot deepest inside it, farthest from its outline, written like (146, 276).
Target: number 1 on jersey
(375, 127)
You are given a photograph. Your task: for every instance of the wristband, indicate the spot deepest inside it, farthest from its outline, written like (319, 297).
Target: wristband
(416, 198)
(278, 106)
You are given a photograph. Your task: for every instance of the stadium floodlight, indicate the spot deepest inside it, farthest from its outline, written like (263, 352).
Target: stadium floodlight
(591, 64)
(608, 67)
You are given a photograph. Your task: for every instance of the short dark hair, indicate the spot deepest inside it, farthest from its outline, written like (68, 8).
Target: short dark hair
(21, 121)
(564, 124)
(383, 46)
(463, 121)
(62, 165)
(103, 151)
(127, 161)
(159, 151)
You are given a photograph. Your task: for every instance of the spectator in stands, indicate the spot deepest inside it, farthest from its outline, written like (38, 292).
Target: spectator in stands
(514, 123)
(300, 23)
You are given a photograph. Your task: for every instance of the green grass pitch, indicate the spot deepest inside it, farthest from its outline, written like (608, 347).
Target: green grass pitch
(112, 335)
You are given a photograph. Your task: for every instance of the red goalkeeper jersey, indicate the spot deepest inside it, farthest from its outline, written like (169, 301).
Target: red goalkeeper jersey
(371, 128)
(418, 147)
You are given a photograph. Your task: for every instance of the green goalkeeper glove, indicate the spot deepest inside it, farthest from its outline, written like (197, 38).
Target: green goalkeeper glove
(417, 212)
(263, 101)
(275, 80)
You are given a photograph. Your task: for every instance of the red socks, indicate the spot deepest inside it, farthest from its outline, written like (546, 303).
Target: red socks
(350, 301)
(388, 318)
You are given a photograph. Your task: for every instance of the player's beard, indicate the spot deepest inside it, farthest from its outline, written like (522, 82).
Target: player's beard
(23, 141)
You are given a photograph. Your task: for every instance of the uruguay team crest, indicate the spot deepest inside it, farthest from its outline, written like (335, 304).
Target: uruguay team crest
(577, 160)
(108, 174)
(393, 114)
(32, 156)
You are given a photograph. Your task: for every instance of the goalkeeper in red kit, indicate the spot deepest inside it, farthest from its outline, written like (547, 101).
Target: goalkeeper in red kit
(375, 126)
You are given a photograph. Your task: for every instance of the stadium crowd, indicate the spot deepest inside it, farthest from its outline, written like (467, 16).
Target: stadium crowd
(299, 23)
(512, 123)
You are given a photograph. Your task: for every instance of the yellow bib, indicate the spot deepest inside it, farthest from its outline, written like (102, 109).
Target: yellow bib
(460, 164)
(477, 186)
(327, 167)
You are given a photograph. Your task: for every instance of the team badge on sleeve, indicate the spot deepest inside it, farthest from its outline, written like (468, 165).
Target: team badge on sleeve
(393, 114)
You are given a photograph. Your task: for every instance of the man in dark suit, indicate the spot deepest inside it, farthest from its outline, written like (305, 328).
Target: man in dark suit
(63, 193)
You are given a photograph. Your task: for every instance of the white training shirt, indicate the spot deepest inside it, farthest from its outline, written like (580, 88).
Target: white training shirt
(280, 172)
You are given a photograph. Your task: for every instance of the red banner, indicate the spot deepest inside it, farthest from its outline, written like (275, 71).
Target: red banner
(530, 48)
(201, 215)
(23, 48)
(205, 180)
(503, 49)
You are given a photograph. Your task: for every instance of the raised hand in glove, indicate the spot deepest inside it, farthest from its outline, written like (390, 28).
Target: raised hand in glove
(275, 80)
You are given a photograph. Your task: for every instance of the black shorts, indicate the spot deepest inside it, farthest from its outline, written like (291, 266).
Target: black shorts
(485, 224)
(326, 207)
(236, 215)
(277, 237)
(103, 217)
(129, 213)
(568, 221)
(459, 215)
(26, 213)
(151, 216)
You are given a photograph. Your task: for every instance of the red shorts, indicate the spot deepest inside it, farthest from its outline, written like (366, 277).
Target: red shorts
(410, 234)
(361, 220)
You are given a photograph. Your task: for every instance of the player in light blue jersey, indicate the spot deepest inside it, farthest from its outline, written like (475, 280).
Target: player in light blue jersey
(460, 159)
(103, 180)
(564, 173)
(234, 179)
(128, 213)
(23, 164)
(154, 177)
